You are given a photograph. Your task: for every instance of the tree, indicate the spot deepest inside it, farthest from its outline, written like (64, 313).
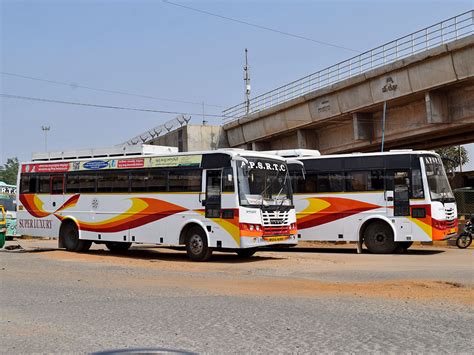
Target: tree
(453, 157)
(10, 171)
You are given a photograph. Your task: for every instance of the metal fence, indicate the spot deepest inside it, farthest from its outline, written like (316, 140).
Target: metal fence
(416, 42)
(162, 129)
(465, 201)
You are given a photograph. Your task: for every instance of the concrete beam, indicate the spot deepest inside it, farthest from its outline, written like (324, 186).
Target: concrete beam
(260, 146)
(436, 107)
(363, 126)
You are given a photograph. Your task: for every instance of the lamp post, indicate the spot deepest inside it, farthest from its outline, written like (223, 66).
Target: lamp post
(45, 129)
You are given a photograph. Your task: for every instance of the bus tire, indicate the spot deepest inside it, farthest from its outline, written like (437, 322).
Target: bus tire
(70, 237)
(196, 245)
(246, 253)
(378, 238)
(118, 247)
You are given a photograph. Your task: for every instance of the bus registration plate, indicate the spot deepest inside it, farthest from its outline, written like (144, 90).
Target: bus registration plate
(276, 239)
(452, 230)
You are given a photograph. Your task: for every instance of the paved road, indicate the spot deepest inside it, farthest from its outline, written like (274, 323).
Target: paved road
(61, 302)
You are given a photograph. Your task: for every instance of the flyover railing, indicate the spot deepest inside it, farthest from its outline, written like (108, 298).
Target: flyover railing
(443, 32)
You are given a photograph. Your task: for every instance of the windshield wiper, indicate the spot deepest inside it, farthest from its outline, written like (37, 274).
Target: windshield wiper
(281, 190)
(267, 187)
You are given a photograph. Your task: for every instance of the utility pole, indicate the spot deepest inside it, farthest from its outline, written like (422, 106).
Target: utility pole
(383, 123)
(460, 159)
(247, 84)
(204, 122)
(45, 129)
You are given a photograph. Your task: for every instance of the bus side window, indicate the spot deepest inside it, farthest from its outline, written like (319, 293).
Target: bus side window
(57, 185)
(333, 182)
(27, 184)
(139, 181)
(356, 181)
(43, 184)
(228, 180)
(376, 180)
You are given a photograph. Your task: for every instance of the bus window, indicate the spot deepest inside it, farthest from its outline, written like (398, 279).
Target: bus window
(28, 184)
(80, 183)
(57, 185)
(376, 180)
(157, 180)
(139, 181)
(356, 181)
(228, 180)
(333, 182)
(44, 184)
(416, 184)
(185, 180)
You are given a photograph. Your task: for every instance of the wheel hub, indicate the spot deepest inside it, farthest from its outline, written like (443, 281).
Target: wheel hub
(380, 238)
(196, 244)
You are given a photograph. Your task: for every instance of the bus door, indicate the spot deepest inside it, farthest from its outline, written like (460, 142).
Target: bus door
(213, 200)
(397, 198)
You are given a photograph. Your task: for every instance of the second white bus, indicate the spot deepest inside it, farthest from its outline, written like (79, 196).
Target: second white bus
(385, 200)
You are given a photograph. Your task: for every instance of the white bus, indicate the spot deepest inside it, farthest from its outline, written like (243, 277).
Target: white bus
(384, 200)
(232, 200)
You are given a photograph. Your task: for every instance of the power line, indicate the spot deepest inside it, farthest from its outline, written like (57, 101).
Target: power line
(8, 96)
(74, 86)
(261, 27)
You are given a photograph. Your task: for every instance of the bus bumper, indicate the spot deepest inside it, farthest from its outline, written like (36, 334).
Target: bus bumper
(253, 242)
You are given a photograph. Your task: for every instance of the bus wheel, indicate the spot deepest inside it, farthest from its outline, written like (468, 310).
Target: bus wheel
(118, 247)
(402, 247)
(196, 245)
(70, 236)
(378, 238)
(246, 253)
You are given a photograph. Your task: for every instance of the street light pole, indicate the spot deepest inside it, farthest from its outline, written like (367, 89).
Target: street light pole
(45, 129)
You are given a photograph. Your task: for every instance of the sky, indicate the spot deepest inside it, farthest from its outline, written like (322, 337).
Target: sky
(155, 49)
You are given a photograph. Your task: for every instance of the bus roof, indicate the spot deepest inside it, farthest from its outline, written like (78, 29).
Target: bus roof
(309, 154)
(59, 157)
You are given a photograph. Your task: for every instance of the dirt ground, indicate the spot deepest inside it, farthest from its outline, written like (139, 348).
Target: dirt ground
(313, 269)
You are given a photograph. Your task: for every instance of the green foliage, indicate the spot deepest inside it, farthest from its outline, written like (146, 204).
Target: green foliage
(452, 158)
(9, 172)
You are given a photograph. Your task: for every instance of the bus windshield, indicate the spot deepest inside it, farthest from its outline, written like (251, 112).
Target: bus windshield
(7, 197)
(437, 180)
(8, 202)
(264, 182)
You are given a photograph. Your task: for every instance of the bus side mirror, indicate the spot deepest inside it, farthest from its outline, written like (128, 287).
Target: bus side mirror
(388, 195)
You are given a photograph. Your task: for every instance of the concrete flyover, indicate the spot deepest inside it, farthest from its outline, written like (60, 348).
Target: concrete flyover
(429, 97)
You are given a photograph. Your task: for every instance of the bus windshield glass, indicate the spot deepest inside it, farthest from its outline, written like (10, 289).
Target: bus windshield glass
(264, 182)
(7, 197)
(437, 180)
